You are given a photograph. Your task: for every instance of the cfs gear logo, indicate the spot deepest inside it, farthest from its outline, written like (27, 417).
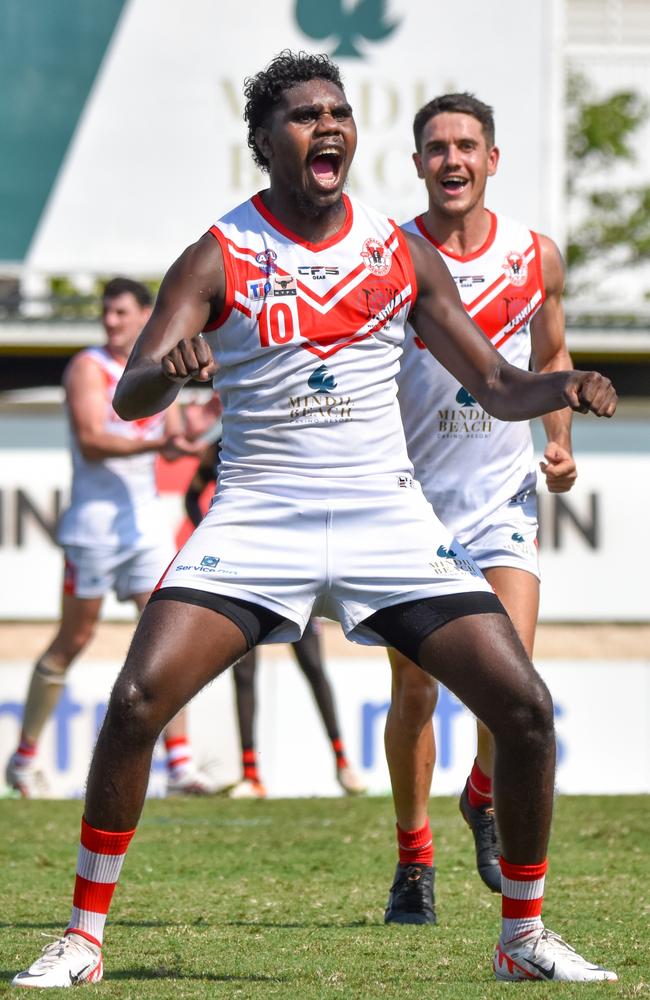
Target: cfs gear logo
(469, 280)
(266, 261)
(465, 398)
(516, 268)
(317, 272)
(517, 537)
(321, 381)
(377, 257)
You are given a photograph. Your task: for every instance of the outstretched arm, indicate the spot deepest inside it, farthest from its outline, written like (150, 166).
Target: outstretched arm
(506, 392)
(170, 350)
(550, 354)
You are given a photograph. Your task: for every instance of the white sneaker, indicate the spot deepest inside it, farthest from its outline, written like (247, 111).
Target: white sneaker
(247, 789)
(69, 961)
(350, 781)
(544, 955)
(26, 779)
(190, 782)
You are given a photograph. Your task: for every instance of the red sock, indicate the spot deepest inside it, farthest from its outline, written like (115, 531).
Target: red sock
(341, 759)
(179, 754)
(99, 862)
(479, 788)
(26, 753)
(522, 895)
(249, 765)
(415, 847)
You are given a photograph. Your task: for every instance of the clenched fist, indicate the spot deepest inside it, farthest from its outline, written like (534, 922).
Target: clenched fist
(191, 358)
(591, 391)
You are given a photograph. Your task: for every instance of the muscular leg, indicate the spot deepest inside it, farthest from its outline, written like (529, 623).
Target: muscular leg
(177, 648)
(481, 659)
(518, 591)
(409, 740)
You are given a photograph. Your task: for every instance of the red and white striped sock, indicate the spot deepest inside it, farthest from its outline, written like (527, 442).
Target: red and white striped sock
(99, 862)
(479, 788)
(415, 846)
(26, 753)
(179, 755)
(522, 895)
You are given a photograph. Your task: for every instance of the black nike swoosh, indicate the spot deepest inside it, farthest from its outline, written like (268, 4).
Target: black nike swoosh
(74, 979)
(547, 973)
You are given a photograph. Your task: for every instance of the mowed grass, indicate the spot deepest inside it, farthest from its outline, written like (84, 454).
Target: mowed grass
(285, 899)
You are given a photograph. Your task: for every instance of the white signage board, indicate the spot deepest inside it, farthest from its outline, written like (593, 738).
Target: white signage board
(160, 150)
(618, 704)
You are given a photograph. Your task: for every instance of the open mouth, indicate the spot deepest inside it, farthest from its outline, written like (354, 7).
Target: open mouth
(326, 167)
(454, 184)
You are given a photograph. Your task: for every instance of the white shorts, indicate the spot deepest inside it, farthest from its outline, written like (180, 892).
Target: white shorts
(338, 558)
(510, 536)
(93, 572)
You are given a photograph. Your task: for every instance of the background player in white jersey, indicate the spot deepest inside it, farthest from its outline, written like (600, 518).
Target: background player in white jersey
(308, 654)
(113, 533)
(308, 293)
(477, 472)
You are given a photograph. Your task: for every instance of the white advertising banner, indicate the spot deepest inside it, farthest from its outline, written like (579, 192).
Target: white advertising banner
(595, 540)
(160, 150)
(618, 704)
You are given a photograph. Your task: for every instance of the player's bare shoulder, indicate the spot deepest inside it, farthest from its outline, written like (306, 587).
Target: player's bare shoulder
(198, 274)
(553, 267)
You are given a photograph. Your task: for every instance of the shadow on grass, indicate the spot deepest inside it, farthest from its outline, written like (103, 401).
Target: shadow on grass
(60, 925)
(305, 925)
(161, 972)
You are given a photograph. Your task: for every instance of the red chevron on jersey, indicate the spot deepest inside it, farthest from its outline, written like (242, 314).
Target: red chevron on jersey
(363, 289)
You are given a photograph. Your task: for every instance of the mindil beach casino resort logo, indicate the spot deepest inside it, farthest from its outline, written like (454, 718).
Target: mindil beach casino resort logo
(351, 24)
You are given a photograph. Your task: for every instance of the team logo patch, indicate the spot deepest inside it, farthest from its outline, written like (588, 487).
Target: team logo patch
(516, 268)
(284, 285)
(258, 289)
(266, 260)
(377, 257)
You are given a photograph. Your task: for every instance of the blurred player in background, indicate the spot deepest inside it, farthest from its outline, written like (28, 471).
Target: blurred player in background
(477, 472)
(317, 510)
(113, 533)
(307, 651)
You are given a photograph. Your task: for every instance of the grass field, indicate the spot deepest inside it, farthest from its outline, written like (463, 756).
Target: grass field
(285, 899)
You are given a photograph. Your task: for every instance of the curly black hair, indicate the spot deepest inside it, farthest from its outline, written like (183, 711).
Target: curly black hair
(264, 91)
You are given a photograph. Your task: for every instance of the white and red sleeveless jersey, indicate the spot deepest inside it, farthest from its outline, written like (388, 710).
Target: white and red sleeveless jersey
(467, 462)
(114, 501)
(308, 345)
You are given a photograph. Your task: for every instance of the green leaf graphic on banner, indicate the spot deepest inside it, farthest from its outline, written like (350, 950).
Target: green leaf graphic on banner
(50, 52)
(367, 19)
